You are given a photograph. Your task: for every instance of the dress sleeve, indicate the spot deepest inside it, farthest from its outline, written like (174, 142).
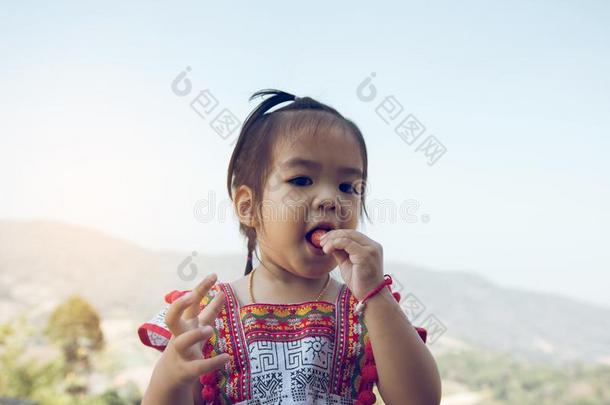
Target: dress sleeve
(423, 333)
(368, 368)
(155, 332)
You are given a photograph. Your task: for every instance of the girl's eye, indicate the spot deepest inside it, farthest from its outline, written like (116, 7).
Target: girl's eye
(347, 188)
(298, 180)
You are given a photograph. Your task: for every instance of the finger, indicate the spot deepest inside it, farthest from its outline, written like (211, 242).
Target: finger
(174, 314)
(211, 311)
(353, 248)
(188, 339)
(347, 233)
(199, 292)
(340, 256)
(198, 367)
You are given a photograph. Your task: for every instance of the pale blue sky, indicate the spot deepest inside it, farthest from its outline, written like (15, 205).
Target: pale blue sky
(519, 93)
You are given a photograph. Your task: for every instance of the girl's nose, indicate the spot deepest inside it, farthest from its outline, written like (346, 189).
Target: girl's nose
(328, 203)
(326, 199)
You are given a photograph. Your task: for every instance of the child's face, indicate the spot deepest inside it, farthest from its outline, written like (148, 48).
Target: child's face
(296, 197)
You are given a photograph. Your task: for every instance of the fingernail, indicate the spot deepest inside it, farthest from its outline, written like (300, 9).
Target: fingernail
(205, 329)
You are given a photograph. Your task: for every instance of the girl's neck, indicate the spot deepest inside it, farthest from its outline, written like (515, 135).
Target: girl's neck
(273, 281)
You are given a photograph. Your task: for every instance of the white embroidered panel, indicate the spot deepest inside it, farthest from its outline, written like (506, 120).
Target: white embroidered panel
(295, 372)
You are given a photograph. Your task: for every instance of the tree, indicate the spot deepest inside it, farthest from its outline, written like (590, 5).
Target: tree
(49, 380)
(75, 327)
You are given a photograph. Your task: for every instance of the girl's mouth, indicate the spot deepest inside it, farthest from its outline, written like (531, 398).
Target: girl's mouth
(313, 240)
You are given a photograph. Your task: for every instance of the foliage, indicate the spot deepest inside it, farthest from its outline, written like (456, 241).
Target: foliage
(51, 379)
(506, 380)
(75, 327)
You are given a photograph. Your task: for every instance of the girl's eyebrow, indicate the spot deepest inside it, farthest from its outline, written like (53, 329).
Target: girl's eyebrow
(310, 163)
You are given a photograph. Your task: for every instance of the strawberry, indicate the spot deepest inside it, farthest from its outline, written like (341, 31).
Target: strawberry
(316, 235)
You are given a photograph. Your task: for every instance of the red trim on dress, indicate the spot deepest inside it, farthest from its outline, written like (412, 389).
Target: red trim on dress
(366, 396)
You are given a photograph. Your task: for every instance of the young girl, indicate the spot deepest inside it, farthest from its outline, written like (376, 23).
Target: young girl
(288, 332)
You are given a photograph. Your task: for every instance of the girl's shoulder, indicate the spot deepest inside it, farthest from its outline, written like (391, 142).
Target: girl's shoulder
(155, 333)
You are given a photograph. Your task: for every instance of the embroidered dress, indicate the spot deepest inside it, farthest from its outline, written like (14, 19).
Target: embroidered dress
(306, 353)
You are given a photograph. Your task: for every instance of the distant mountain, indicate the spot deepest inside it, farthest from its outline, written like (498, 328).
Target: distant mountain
(530, 325)
(43, 262)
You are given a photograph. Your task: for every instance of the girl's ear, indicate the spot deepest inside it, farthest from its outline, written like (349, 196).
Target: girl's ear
(244, 205)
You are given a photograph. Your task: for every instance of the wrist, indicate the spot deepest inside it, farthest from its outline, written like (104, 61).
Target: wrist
(383, 297)
(368, 286)
(381, 306)
(379, 288)
(162, 391)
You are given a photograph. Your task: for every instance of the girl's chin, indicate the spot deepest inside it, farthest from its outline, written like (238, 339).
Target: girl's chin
(316, 275)
(320, 265)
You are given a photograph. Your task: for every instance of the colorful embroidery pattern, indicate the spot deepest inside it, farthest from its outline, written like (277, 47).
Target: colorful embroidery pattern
(286, 352)
(311, 352)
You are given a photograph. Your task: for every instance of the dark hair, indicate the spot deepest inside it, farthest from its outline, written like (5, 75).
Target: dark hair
(251, 159)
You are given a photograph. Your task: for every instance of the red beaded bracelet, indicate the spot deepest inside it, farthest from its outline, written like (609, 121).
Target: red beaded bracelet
(386, 282)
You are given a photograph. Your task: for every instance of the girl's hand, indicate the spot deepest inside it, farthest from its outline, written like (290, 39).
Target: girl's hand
(359, 258)
(182, 361)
